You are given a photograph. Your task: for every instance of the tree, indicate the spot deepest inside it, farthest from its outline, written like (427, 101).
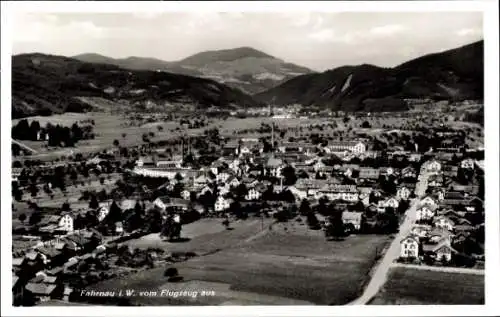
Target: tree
(22, 217)
(116, 143)
(93, 204)
(366, 125)
(65, 206)
(289, 175)
(115, 213)
(35, 218)
(335, 228)
(312, 221)
(139, 209)
(304, 208)
(33, 190)
(18, 194)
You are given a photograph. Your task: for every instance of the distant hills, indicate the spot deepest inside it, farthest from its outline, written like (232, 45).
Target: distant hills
(46, 84)
(450, 75)
(245, 68)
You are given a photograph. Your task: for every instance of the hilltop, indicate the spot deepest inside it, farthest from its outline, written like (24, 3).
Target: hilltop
(244, 68)
(455, 74)
(45, 84)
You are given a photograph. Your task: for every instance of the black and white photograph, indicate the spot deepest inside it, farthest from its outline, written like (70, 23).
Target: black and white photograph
(240, 157)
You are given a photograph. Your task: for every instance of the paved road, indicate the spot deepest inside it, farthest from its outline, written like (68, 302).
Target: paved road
(380, 274)
(440, 268)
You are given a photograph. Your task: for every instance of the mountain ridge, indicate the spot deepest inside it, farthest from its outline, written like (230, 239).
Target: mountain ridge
(451, 74)
(45, 84)
(245, 68)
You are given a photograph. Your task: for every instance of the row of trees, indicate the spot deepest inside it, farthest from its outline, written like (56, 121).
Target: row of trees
(57, 135)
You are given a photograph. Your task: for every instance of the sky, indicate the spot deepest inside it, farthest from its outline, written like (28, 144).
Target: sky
(318, 40)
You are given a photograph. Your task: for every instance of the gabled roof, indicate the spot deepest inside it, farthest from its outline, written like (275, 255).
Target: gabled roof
(411, 237)
(40, 288)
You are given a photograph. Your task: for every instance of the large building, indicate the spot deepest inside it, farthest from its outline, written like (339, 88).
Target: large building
(356, 147)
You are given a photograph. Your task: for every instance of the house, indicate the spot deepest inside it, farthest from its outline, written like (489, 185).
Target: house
(421, 231)
(186, 194)
(253, 194)
(444, 222)
(274, 165)
(161, 202)
(440, 251)
(102, 212)
(437, 234)
(435, 180)
(450, 171)
(467, 163)
(410, 247)
(403, 193)
(409, 172)
(233, 181)
(369, 173)
(354, 218)
(43, 292)
(201, 181)
(390, 202)
(118, 227)
(425, 212)
(222, 203)
(222, 177)
(387, 171)
(298, 193)
(429, 200)
(431, 166)
(339, 191)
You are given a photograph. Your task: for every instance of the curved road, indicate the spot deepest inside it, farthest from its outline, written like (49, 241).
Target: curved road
(380, 273)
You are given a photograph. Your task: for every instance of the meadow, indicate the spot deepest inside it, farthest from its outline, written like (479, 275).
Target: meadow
(406, 286)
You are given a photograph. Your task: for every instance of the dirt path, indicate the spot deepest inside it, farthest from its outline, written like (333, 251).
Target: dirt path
(24, 146)
(440, 268)
(380, 274)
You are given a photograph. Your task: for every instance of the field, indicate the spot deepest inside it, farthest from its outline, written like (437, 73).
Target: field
(420, 287)
(249, 266)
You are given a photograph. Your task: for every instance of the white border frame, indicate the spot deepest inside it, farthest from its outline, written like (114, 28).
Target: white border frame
(492, 280)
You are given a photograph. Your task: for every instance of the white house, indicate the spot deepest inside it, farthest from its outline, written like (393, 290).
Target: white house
(432, 166)
(298, 193)
(409, 247)
(467, 163)
(338, 191)
(403, 193)
(221, 204)
(253, 194)
(428, 200)
(444, 223)
(425, 212)
(354, 218)
(201, 181)
(233, 181)
(421, 231)
(66, 223)
(391, 202)
(186, 194)
(222, 177)
(161, 203)
(102, 212)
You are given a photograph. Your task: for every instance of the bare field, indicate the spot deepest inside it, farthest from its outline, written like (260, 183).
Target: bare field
(420, 287)
(253, 267)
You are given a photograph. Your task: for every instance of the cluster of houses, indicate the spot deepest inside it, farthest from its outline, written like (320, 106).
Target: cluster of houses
(259, 172)
(37, 270)
(443, 217)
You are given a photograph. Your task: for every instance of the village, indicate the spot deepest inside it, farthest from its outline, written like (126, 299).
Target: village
(73, 222)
